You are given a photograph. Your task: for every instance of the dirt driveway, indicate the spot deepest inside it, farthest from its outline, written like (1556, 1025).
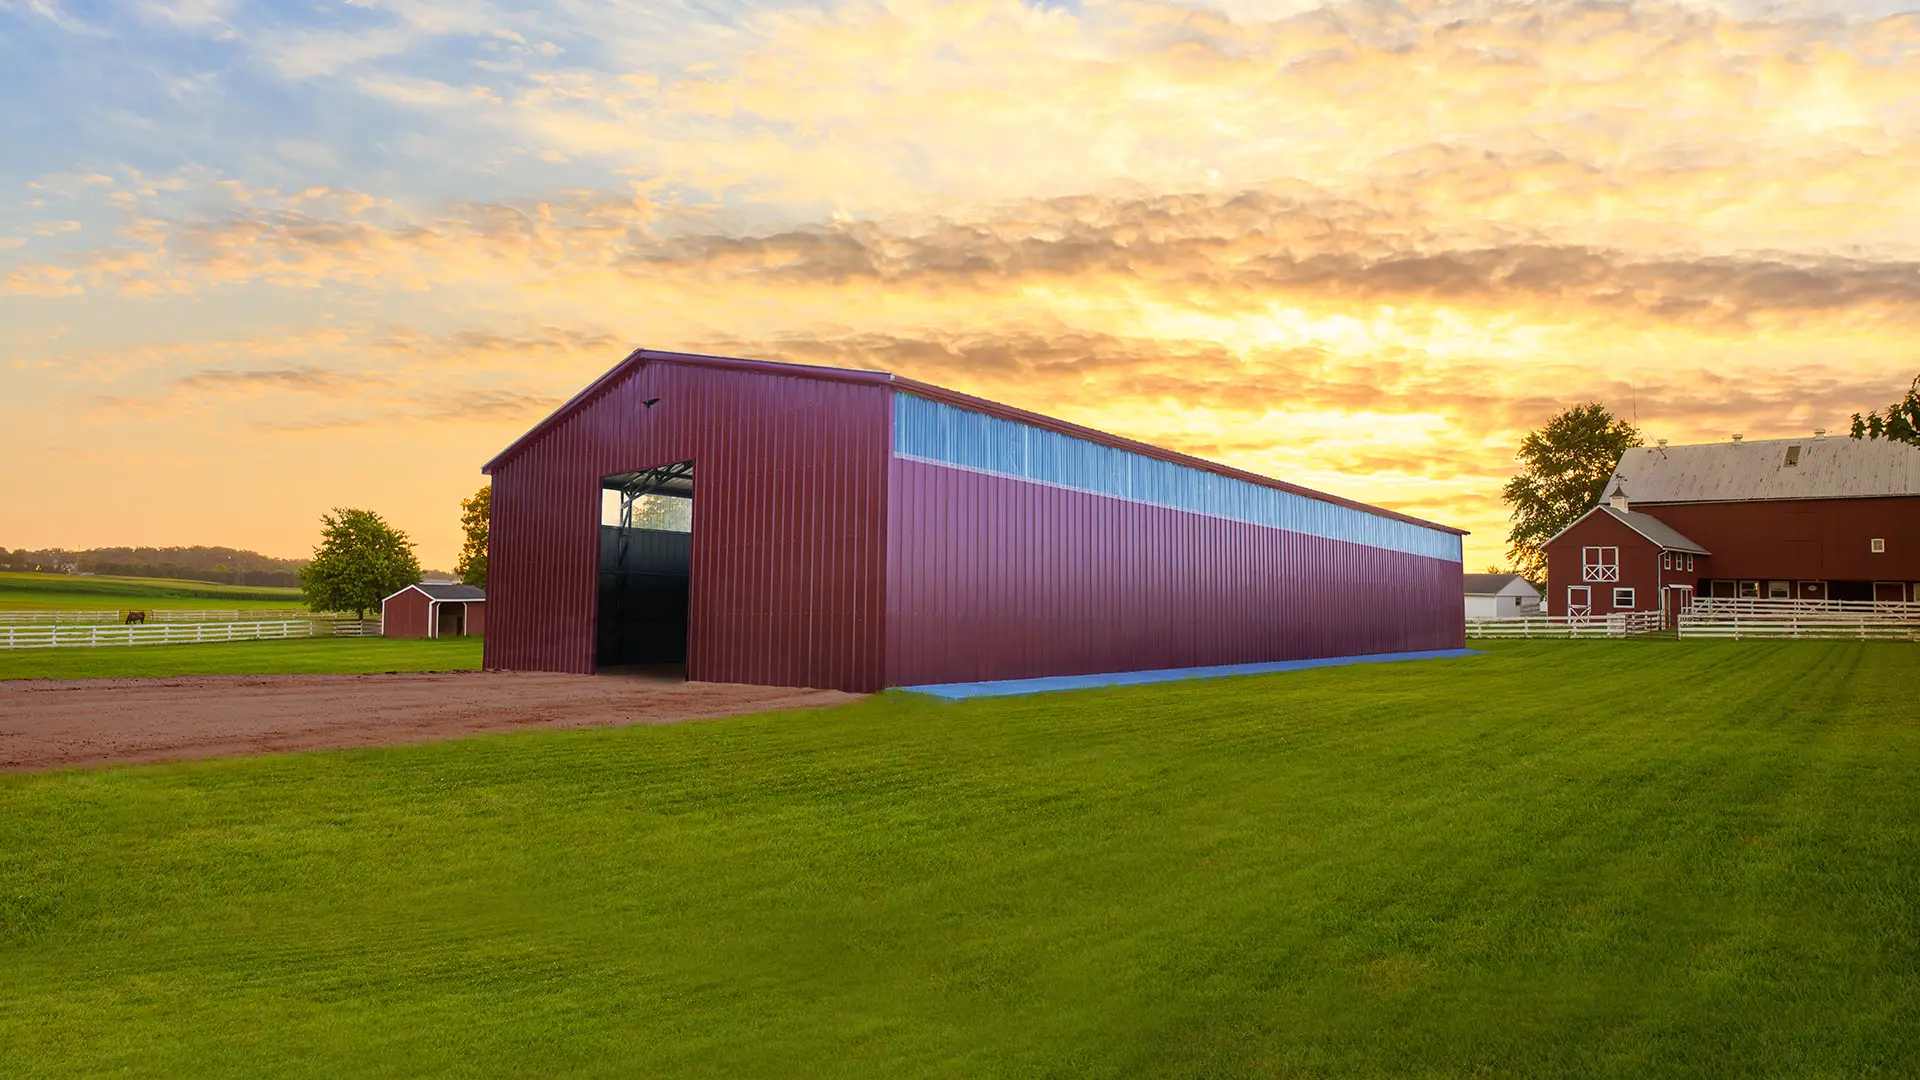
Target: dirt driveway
(49, 723)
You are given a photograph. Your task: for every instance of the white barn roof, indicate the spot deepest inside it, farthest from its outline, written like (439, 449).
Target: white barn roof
(1832, 468)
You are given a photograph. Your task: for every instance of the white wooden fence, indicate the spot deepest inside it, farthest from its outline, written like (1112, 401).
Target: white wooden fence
(1860, 625)
(58, 637)
(1726, 607)
(1622, 624)
(1724, 617)
(90, 616)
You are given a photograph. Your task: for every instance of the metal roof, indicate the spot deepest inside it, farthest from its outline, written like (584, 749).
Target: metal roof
(1489, 584)
(931, 392)
(1824, 468)
(1646, 525)
(449, 592)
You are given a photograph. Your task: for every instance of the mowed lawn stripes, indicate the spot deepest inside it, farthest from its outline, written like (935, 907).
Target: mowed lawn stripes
(1569, 859)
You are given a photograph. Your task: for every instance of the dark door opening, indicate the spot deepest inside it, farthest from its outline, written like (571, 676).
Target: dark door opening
(646, 567)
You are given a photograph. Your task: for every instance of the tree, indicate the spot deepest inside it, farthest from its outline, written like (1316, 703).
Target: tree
(475, 513)
(1900, 424)
(663, 512)
(1566, 466)
(361, 560)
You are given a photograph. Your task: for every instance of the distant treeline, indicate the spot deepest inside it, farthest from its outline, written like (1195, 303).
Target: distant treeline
(221, 565)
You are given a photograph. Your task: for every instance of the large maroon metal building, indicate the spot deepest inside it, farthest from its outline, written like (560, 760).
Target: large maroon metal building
(856, 530)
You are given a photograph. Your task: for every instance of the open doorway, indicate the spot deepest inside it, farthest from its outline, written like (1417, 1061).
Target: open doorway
(646, 567)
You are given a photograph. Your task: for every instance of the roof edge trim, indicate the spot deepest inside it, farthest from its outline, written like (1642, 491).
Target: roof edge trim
(1637, 530)
(639, 357)
(933, 393)
(1118, 442)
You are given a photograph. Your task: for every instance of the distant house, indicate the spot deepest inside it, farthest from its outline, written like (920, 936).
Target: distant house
(434, 611)
(1493, 596)
(1779, 519)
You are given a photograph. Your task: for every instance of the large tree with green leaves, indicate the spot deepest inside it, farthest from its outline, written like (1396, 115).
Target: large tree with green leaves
(475, 516)
(1565, 465)
(1900, 424)
(361, 560)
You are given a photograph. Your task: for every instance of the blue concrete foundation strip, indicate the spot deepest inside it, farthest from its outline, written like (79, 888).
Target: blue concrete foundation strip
(1011, 687)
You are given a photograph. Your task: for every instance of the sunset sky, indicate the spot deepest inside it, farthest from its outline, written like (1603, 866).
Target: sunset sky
(258, 260)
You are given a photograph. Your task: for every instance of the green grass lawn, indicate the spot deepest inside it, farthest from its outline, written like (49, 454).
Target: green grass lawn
(291, 656)
(22, 589)
(1561, 859)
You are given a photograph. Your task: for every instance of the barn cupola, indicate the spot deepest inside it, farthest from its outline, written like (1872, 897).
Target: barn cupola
(1619, 498)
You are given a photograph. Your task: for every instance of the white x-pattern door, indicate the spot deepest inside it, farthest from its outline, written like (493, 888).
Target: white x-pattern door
(1579, 601)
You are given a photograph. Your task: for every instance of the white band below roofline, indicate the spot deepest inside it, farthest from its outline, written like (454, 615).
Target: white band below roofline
(998, 474)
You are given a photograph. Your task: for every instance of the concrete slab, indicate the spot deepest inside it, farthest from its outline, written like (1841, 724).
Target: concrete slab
(1012, 687)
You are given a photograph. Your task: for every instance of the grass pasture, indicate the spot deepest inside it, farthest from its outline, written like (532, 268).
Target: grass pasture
(290, 656)
(1560, 859)
(28, 590)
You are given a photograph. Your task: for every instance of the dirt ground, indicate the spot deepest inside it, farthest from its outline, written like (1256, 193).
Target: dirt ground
(53, 723)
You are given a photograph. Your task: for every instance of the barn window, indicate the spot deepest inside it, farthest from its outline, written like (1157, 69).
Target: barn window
(1750, 590)
(1600, 564)
(1689, 562)
(1666, 560)
(1793, 456)
(1879, 546)
(1623, 598)
(1779, 590)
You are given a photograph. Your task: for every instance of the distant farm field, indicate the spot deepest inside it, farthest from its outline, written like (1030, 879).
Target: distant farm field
(1558, 859)
(294, 656)
(31, 590)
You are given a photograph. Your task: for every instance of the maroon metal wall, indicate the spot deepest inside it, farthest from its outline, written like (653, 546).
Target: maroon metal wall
(404, 614)
(788, 523)
(996, 578)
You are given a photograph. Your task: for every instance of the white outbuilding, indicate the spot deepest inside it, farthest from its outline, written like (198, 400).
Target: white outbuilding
(1500, 596)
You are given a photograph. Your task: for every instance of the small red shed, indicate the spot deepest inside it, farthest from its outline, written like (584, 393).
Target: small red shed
(434, 611)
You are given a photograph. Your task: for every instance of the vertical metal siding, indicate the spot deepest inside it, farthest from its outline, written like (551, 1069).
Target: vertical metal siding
(788, 525)
(992, 577)
(404, 615)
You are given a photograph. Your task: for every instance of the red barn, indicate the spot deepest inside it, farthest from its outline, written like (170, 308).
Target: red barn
(434, 611)
(793, 525)
(1799, 519)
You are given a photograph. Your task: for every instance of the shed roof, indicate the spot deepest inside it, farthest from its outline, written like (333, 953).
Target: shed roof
(931, 392)
(1823, 468)
(1661, 533)
(446, 592)
(1489, 584)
